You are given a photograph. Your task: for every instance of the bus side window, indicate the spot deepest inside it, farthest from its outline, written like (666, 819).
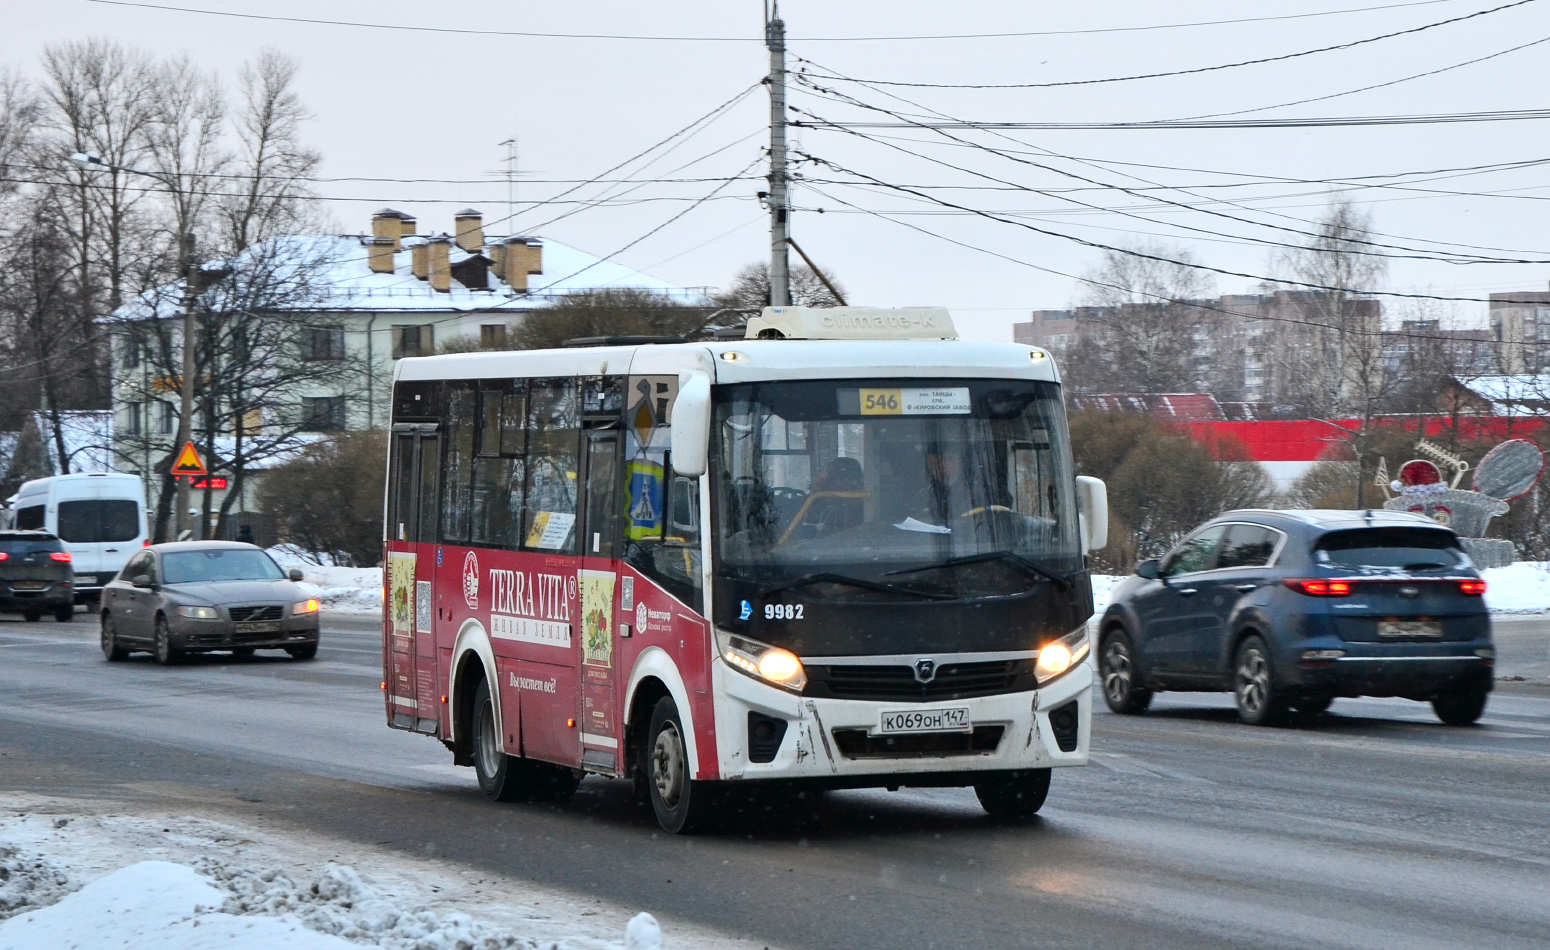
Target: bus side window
(500, 469)
(672, 558)
(458, 465)
(553, 446)
(683, 512)
(401, 525)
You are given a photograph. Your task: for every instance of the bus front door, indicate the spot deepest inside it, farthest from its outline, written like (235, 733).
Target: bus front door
(602, 519)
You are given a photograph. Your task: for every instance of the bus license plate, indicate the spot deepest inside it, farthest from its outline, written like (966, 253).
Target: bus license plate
(955, 719)
(1409, 629)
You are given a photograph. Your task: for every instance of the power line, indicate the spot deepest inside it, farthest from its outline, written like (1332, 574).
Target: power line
(1312, 122)
(1358, 331)
(168, 8)
(1199, 69)
(1410, 252)
(1381, 85)
(1134, 253)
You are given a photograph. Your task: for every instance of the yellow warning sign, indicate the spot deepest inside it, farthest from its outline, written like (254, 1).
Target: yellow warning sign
(189, 462)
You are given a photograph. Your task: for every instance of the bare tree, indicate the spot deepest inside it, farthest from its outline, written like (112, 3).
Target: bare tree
(750, 290)
(1141, 329)
(609, 312)
(268, 192)
(184, 142)
(19, 112)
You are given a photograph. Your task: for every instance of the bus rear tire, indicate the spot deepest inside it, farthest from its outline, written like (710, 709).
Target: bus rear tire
(510, 778)
(683, 806)
(1014, 795)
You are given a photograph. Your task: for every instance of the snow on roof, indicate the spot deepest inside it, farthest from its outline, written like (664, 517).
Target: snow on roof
(1526, 393)
(331, 273)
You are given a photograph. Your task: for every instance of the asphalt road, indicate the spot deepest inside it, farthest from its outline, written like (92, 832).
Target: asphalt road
(1376, 827)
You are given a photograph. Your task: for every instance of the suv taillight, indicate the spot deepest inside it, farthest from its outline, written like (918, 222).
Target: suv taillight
(60, 556)
(1317, 587)
(1472, 588)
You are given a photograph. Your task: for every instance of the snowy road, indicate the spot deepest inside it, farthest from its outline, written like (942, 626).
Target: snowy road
(1378, 828)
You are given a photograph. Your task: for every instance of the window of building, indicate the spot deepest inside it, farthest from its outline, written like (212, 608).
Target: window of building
(323, 343)
(322, 413)
(131, 351)
(249, 422)
(492, 336)
(419, 340)
(167, 418)
(132, 419)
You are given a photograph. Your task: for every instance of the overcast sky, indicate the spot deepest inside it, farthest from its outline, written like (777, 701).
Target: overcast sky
(401, 104)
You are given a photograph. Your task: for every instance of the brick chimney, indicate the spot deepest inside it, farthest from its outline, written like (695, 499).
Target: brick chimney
(440, 263)
(498, 260)
(523, 257)
(379, 253)
(469, 226)
(406, 224)
(420, 260)
(388, 223)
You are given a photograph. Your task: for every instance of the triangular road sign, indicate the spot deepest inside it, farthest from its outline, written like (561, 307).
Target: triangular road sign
(189, 462)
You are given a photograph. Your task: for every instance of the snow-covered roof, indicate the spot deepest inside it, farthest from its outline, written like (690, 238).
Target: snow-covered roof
(321, 273)
(1523, 394)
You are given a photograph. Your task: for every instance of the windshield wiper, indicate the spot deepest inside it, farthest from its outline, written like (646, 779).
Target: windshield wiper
(1028, 565)
(828, 578)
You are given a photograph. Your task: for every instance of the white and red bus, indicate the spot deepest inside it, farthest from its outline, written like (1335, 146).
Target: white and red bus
(844, 552)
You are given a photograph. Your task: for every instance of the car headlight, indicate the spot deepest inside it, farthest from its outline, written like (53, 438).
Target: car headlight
(308, 606)
(1059, 656)
(762, 661)
(199, 613)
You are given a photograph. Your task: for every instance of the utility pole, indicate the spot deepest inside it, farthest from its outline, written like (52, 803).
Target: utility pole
(779, 200)
(185, 521)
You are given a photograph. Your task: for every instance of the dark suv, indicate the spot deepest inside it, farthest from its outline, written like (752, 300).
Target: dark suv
(1291, 609)
(35, 575)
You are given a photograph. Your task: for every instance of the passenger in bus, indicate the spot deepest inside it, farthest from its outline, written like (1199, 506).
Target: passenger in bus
(838, 499)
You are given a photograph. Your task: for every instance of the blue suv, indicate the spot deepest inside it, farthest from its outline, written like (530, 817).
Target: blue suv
(1291, 609)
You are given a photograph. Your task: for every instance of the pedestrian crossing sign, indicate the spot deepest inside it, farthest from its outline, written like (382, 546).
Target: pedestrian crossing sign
(188, 462)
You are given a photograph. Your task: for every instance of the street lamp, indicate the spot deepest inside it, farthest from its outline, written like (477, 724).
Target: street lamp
(186, 383)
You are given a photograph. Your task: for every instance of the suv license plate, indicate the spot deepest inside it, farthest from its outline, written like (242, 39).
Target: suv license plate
(1409, 629)
(955, 719)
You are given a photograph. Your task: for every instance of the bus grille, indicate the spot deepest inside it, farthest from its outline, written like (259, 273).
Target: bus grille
(254, 613)
(898, 683)
(857, 744)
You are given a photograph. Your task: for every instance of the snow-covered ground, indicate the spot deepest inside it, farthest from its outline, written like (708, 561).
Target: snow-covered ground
(343, 590)
(78, 875)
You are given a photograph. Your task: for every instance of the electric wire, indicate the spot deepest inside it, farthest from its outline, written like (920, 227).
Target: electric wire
(1200, 69)
(169, 8)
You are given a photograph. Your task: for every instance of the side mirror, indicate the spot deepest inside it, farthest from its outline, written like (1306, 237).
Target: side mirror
(1092, 505)
(691, 424)
(142, 581)
(295, 574)
(1147, 569)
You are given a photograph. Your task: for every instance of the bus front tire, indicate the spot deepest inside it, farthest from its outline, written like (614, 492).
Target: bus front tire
(1014, 795)
(683, 805)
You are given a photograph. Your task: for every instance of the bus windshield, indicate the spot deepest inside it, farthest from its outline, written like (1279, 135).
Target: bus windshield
(934, 487)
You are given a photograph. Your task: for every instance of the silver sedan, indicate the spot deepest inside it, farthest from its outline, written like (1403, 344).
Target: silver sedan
(203, 596)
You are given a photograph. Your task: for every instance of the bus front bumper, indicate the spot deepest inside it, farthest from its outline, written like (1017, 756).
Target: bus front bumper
(843, 743)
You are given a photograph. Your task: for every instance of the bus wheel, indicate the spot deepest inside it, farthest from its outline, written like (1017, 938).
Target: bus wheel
(498, 775)
(1014, 794)
(683, 806)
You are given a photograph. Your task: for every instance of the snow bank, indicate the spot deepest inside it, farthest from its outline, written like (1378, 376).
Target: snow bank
(1520, 588)
(154, 905)
(344, 590)
(158, 905)
(28, 881)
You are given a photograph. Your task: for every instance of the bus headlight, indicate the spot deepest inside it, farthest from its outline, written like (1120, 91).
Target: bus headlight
(1059, 656)
(762, 661)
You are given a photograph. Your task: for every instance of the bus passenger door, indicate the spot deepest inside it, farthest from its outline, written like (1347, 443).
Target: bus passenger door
(602, 520)
(411, 678)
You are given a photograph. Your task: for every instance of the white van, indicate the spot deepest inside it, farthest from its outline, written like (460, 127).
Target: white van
(99, 517)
